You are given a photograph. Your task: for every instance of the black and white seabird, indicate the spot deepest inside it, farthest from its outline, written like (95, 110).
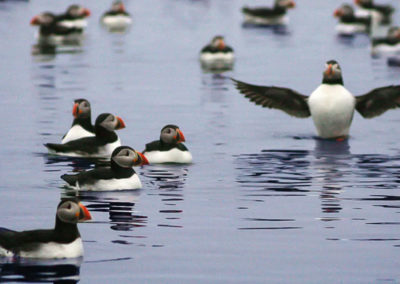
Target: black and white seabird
(74, 17)
(349, 23)
(99, 146)
(331, 105)
(387, 45)
(118, 176)
(381, 13)
(217, 55)
(169, 149)
(268, 16)
(117, 18)
(82, 123)
(64, 241)
(51, 32)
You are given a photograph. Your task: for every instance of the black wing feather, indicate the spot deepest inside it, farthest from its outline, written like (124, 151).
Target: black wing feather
(378, 101)
(285, 99)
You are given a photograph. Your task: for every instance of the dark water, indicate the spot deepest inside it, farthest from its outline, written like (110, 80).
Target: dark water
(264, 201)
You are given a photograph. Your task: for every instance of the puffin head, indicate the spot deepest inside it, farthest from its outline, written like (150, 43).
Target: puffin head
(126, 157)
(109, 122)
(286, 4)
(77, 11)
(118, 6)
(81, 108)
(72, 211)
(171, 134)
(218, 42)
(332, 73)
(43, 19)
(344, 10)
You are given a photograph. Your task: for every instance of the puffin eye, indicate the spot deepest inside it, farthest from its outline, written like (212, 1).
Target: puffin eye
(127, 153)
(168, 130)
(69, 206)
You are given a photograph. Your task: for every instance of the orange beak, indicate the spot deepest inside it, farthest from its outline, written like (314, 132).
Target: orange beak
(34, 21)
(357, 2)
(121, 7)
(144, 159)
(75, 110)
(86, 214)
(337, 13)
(121, 123)
(221, 44)
(86, 12)
(292, 4)
(181, 137)
(329, 70)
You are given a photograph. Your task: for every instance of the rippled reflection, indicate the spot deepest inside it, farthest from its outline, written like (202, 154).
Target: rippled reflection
(168, 181)
(349, 186)
(27, 270)
(119, 205)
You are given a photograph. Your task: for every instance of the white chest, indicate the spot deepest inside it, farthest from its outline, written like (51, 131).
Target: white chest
(171, 156)
(117, 21)
(268, 21)
(51, 250)
(76, 132)
(79, 24)
(130, 183)
(332, 109)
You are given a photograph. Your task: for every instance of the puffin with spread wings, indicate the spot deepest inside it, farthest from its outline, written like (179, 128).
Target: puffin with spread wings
(331, 105)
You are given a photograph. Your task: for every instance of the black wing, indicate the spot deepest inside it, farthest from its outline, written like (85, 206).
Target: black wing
(86, 145)
(89, 177)
(284, 99)
(378, 101)
(27, 240)
(262, 12)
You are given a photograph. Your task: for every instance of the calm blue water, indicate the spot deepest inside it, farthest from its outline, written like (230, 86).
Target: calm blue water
(264, 201)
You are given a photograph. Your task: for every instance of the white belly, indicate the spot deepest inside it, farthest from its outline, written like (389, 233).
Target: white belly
(350, 29)
(385, 49)
(112, 184)
(76, 132)
(270, 21)
(79, 24)
(51, 250)
(171, 156)
(332, 109)
(218, 60)
(117, 22)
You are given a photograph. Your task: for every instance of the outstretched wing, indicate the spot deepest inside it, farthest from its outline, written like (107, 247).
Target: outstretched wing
(284, 99)
(378, 101)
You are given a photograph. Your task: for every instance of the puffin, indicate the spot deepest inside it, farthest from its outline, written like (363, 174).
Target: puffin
(268, 16)
(51, 31)
(388, 44)
(350, 24)
(99, 146)
(118, 176)
(330, 105)
(117, 18)
(74, 17)
(64, 241)
(382, 13)
(217, 55)
(82, 123)
(169, 148)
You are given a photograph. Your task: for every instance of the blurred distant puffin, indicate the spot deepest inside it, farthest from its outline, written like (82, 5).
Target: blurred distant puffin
(217, 55)
(349, 23)
(51, 31)
(82, 123)
(389, 44)
(169, 148)
(64, 241)
(99, 146)
(268, 16)
(331, 105)
(74, 17)
(117, 18)
(382, 13)
(118, 176)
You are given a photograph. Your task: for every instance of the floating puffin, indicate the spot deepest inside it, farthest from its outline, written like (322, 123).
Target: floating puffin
(117, 18)
(217, 55)
(331, 105)
(268, 16)
(169, 148)
(387, 45)
(64, 241)
(380, 13)
(74, 17)
(350, 24)
(82, 123)
(118, 176)
(51, 32)
(99, 146)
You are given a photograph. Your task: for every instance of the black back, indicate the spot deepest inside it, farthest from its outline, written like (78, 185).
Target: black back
(159, 145)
